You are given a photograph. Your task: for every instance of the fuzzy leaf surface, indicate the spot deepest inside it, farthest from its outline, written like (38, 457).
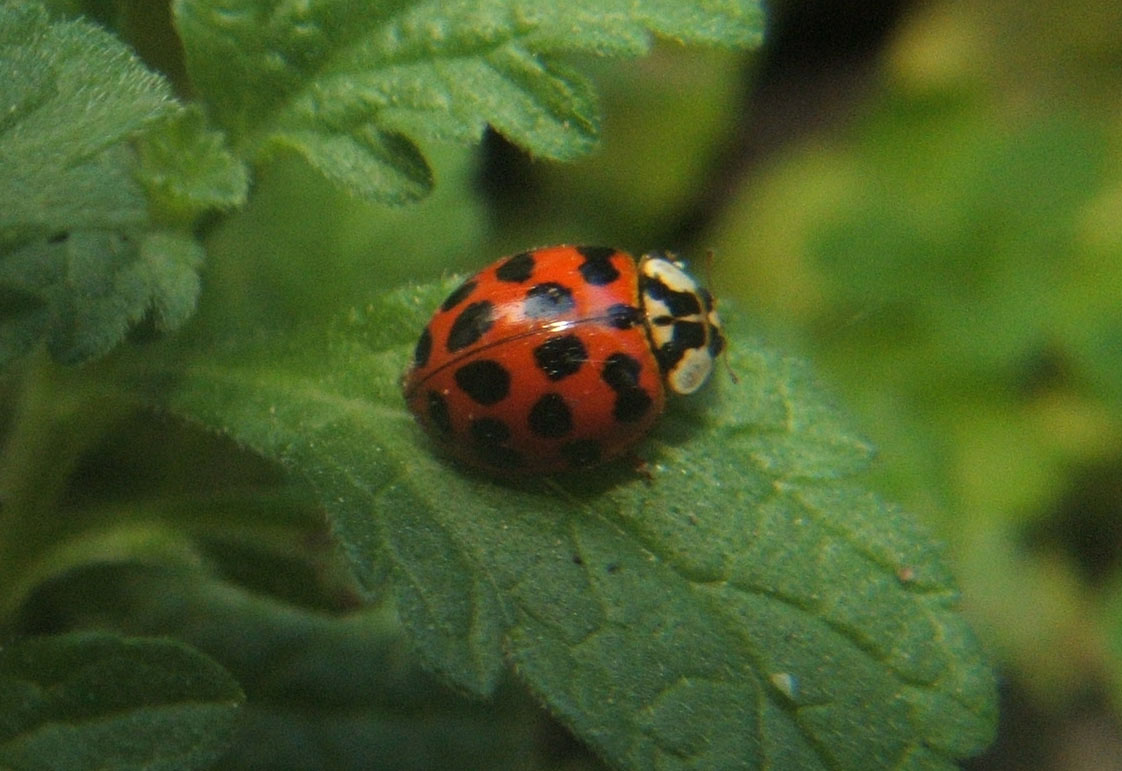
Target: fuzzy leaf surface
(754, 606)
(352, 86)
(82, 259)
(95, 701)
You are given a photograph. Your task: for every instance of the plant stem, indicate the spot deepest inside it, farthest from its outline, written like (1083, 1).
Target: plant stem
(55, 421)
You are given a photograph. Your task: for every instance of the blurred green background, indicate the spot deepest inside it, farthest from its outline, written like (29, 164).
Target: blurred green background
(925, 199)
(943, 237)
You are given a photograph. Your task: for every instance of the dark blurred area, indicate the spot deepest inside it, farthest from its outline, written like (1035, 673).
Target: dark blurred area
(814, 66)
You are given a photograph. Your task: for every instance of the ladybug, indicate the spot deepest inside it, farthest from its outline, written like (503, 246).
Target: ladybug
(560, 357)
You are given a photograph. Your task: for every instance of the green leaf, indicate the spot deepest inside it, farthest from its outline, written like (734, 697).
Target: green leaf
(751, 605)
(353, 86)
(128, 542)
(94, 701)
(80, 261)
(69, 94)
(84, 292)
(349, 689)
(186, 168)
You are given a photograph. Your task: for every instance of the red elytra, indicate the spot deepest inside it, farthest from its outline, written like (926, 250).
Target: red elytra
(560, 357)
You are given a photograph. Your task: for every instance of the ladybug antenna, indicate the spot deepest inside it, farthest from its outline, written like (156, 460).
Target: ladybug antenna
(728, 366)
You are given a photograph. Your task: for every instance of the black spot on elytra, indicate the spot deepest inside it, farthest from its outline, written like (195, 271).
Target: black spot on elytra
(472, 323)
(597, 268)
(423, 349)
(485, 381)
(624, 316)
(560, 356)
(581, 453)
(438, 412)
(489, 431)
(679, 303)
(550, 417)
(631, 405)
(517, 269)
(489, 436)
(621, 371)
(458, 296)
(548, 300)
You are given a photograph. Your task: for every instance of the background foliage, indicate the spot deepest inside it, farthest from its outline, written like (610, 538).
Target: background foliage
(940, 238)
